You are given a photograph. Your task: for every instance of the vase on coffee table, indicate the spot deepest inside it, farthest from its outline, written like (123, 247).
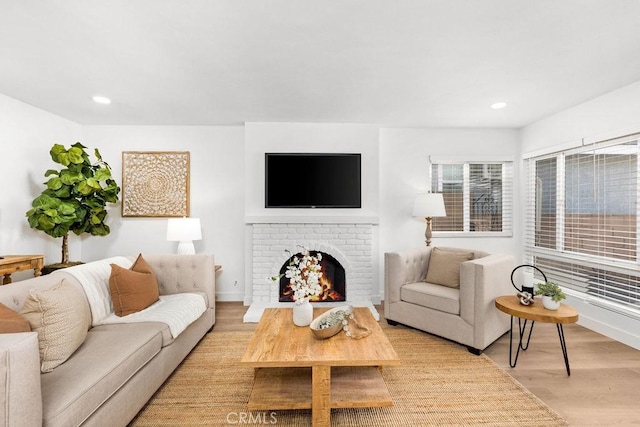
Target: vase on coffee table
(302, 313)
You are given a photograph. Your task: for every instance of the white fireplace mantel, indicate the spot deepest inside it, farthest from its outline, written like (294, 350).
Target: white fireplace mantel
(312, 219)
(347, 238)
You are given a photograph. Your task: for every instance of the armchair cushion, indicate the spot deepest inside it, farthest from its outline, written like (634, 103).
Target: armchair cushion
(444, 267)
(436, 297)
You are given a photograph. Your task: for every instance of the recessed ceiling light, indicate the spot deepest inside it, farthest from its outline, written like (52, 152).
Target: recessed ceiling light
(101, 100)
(498, 105)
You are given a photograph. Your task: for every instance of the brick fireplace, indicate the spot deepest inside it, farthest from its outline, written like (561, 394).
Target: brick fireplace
(350, 244)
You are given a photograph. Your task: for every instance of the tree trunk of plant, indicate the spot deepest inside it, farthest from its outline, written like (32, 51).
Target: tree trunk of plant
(65, 248)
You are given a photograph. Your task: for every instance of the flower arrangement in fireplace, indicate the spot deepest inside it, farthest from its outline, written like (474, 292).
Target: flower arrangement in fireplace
(304, 273)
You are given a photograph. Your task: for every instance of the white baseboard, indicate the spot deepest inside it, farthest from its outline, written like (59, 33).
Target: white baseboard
(229, 296)
(606, 322)
(610, 331)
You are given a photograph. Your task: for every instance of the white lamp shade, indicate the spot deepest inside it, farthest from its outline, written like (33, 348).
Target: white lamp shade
(428, 205)
(183, 229)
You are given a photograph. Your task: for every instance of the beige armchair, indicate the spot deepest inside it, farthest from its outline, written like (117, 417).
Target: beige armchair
(464, 314)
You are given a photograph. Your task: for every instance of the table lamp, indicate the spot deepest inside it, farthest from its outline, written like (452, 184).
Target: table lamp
(185, 231)
(427, 206)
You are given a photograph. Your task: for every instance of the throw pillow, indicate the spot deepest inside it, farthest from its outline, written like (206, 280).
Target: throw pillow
(444, 267)
(61, 317)
(134, 289)
(11, 321)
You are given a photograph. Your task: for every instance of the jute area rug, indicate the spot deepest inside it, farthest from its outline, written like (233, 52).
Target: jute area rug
(438, 383)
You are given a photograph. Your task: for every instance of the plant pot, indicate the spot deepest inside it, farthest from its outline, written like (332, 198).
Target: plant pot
(302, 313)
(47, 269)
(550, 304)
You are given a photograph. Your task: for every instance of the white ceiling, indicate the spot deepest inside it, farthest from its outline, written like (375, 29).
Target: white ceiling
(391, 62)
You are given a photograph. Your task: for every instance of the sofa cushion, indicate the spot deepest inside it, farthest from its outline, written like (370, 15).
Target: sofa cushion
(133, 289)
(11, 321)
(104, 363)
(161, 328)
(436, 297)
(444, 267)
(61, 317)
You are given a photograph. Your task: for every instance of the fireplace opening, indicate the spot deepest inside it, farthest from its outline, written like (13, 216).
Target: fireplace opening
(333, 280)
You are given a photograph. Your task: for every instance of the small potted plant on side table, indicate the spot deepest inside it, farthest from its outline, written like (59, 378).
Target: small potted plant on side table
(552, 294)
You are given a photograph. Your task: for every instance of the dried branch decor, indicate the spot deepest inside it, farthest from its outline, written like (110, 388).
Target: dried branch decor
(155, 183)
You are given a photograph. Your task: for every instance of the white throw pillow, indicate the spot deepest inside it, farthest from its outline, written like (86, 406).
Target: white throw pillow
(94, 278)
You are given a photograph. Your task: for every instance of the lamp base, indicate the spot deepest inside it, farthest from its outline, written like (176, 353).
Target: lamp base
(428, 233)
(186, 248)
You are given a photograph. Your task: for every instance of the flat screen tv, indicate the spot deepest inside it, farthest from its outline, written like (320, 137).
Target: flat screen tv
(312, 180)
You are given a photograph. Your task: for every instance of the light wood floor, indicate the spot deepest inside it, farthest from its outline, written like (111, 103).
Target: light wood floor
(603, 389)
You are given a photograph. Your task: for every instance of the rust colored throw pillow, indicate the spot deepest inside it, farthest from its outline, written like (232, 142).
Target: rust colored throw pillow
(133, 289)
(11, 321)
(444, 267)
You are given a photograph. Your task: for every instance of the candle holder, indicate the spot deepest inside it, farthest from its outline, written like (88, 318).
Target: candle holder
(526, 293)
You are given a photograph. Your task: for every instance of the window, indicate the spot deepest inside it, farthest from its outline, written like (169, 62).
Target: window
(582, 221)
(477, 196)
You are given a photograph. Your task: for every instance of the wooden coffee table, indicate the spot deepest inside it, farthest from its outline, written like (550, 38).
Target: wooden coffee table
(295, 370)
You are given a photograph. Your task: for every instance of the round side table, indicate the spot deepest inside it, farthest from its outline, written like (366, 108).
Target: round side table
(535, 313)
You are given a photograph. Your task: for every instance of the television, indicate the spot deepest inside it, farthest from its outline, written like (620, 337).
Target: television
(312, 180)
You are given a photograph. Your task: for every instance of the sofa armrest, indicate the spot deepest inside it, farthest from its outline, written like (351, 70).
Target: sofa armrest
(20, 392)
(400, 268)
(185, 273)
(481, 281)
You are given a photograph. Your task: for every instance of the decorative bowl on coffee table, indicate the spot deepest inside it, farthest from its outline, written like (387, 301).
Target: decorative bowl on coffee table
(329, 323)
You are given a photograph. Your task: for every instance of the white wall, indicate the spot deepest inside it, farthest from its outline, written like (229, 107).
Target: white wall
(26, 136)
(227, 181)
(404, 156)
(217, 185)
(394, 169)
(614, 114)
(261, 138)
(216, 196)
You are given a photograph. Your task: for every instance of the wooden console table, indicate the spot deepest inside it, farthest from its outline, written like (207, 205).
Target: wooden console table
(11, 263)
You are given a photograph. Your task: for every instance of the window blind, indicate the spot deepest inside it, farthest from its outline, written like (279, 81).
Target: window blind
(581, 222)
(478, 196)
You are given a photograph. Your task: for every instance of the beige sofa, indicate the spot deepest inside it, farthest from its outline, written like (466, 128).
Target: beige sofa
(467, 314)
(117, 368)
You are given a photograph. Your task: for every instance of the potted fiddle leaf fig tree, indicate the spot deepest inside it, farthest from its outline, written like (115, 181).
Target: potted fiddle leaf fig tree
(75, 198)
